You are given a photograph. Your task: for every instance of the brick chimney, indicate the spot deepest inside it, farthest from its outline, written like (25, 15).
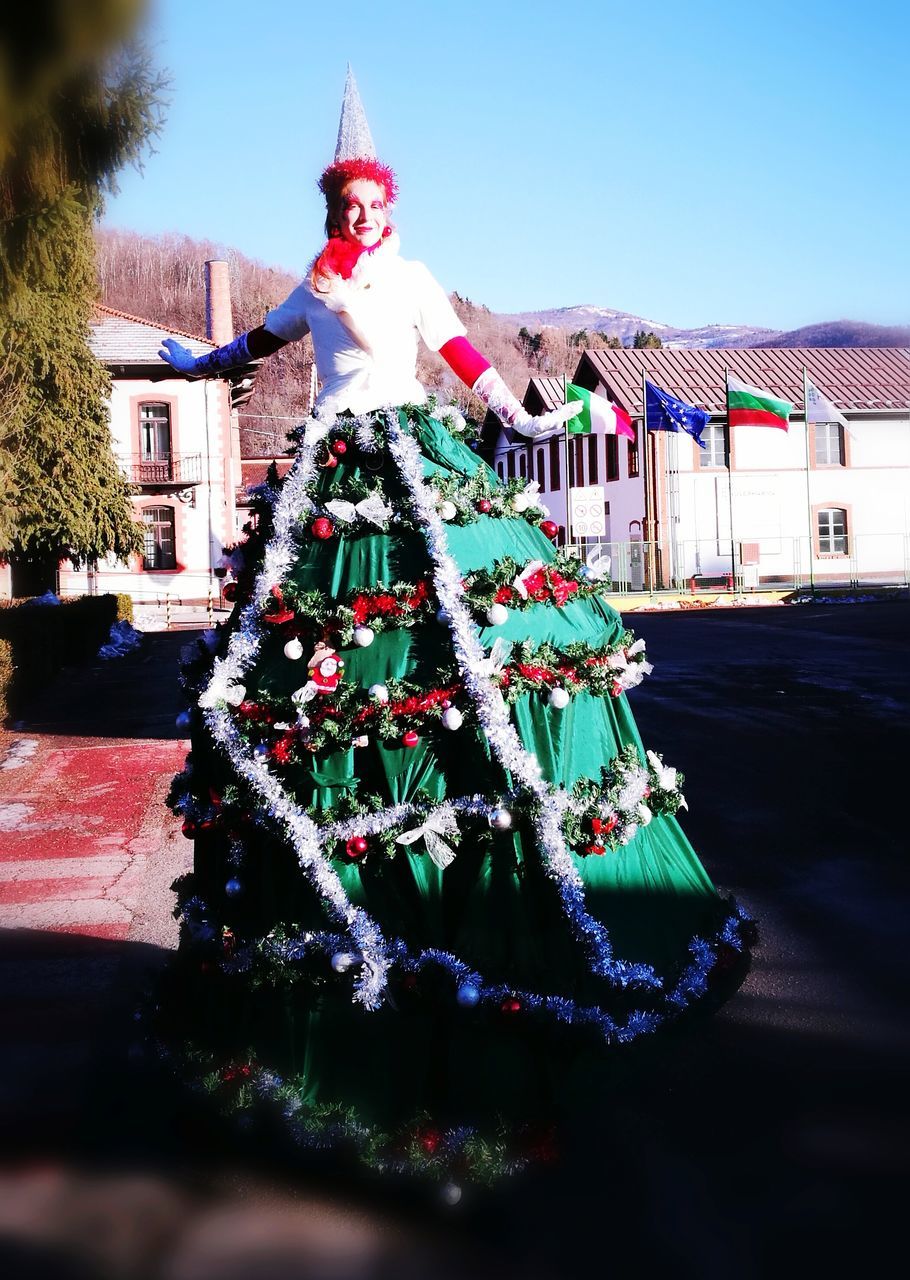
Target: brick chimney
(219, 322)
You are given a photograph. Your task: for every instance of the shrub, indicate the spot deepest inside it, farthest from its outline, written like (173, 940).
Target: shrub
(36, 641)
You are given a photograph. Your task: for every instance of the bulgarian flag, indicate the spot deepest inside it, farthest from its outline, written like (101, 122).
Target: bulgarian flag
(599, 415)
(753, 407)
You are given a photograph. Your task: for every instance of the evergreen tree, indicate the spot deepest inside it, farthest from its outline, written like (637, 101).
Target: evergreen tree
(77, 101)
(645, 340)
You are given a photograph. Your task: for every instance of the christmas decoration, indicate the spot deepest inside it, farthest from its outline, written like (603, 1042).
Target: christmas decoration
(293, 650)
(282, 772)
(322, 528)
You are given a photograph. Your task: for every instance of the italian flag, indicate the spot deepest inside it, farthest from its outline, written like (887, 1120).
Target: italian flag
(599, 415)
(753, 407)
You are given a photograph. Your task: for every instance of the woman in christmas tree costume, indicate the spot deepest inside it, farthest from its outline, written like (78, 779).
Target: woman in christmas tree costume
(436, 872)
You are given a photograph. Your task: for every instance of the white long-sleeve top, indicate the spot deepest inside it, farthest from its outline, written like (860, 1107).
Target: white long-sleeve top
(389, 302)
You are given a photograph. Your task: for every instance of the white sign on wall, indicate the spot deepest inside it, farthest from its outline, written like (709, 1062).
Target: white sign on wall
(588, 520)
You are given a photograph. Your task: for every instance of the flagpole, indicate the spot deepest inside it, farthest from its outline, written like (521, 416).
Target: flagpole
(645, 474)
(808, 485)
(565, 397)
(730, 484)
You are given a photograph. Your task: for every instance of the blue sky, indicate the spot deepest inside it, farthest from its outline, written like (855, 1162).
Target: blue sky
(693, 164)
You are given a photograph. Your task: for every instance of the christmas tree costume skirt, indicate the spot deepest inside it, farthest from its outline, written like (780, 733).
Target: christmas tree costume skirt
(436, 870)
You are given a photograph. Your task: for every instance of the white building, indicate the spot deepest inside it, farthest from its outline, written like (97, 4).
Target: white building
(785, 510)
(177, 441)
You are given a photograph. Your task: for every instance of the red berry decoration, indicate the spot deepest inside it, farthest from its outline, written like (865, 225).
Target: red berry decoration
(356, 847)
(549, 527)
(339, 448)
(322, 527)
(511, 1005)
(410, 739)
(484, 505)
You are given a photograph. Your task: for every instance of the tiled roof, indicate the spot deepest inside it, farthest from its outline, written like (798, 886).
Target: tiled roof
(118, 338)
(550, 392)
(854, 378)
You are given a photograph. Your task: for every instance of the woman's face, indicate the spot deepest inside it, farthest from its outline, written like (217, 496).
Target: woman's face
(363, 212)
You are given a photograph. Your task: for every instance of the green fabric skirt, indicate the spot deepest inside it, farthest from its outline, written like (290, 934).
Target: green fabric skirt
(287, 1030)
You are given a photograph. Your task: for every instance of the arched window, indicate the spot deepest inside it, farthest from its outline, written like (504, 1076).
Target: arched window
(160, 544)
(540, 469)
(832, 532)
(500, 469)
(155, 456)
(523, 465)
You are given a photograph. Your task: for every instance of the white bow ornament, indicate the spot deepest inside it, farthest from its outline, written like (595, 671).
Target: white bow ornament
(438, 824)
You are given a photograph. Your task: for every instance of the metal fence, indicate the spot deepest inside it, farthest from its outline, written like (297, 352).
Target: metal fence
(694, 566)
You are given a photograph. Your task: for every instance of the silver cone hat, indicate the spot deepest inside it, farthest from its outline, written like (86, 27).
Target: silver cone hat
(354, 138)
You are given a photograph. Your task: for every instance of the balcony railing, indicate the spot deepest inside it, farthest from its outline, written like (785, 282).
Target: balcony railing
(174, 469)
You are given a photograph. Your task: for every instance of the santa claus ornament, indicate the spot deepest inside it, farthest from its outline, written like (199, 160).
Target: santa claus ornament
(325, 669)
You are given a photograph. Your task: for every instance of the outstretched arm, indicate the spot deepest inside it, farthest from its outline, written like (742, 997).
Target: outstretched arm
(249, 346)
(475, 370)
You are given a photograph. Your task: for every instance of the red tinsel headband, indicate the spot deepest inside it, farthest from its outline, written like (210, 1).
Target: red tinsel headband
(339, 174)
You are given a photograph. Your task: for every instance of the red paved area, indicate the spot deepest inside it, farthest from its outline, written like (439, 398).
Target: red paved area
(71, 828)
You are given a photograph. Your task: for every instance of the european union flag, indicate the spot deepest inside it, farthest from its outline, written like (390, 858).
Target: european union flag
(664, 412)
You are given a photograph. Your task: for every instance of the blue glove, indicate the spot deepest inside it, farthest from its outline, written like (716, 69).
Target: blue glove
(213, 362)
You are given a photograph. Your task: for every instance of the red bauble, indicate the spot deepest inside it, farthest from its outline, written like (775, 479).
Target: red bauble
(410, 739)
(484, 505)
(189, 829)
(356, 847)
(339, 448)
(510, 1005)
(229, 591)
(322, 527)
(549, 527)
(330, 461)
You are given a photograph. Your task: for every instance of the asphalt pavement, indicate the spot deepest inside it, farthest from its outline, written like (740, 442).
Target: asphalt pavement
(770, 1140)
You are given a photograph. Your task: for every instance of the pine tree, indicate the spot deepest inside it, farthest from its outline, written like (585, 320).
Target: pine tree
(77, 103)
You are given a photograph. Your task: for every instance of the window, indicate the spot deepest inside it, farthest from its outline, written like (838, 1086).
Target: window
(510, 465)
(611, 457)
(523, 465)
(159, 550)
(154, 442)
(832, 531)
(714, 453)
(576, 462)
(540, 470)
(500, 470)
(829, 444)
(592, 459)
(555, 477)
(633, 455)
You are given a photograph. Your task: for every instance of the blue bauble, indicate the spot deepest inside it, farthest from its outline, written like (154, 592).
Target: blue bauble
(261, 750)
(586, 573)
(184, 720)
(233, 887)
(467, 995)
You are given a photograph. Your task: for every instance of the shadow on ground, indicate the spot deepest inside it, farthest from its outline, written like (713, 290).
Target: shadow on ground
(769, 1140)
